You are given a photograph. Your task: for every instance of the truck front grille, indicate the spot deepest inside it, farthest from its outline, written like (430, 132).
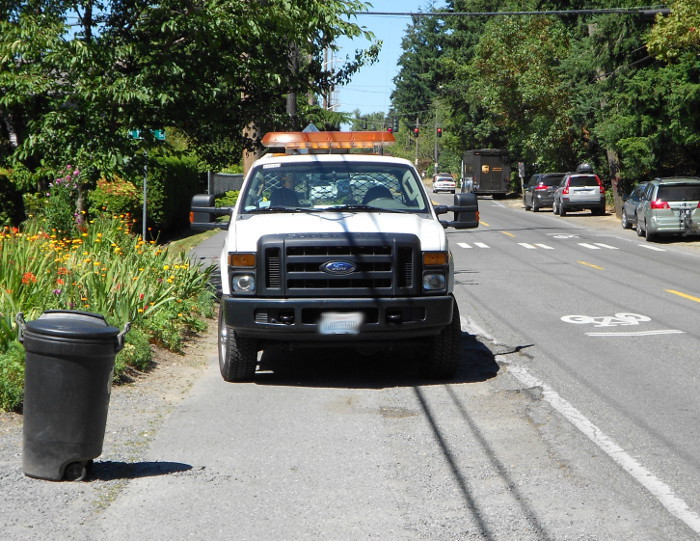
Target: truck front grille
(293, 265)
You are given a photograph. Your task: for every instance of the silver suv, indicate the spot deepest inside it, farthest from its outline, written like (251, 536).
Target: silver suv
(579, 191)
(669, 206)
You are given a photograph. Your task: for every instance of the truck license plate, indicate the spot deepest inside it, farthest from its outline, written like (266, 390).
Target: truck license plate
(341, 322)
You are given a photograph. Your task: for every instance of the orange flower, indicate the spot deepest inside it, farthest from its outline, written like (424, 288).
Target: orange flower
(28, 277)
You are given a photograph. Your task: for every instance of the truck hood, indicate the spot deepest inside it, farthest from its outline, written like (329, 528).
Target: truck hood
(247, 229)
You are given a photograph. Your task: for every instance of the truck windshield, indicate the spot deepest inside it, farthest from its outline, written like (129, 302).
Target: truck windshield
(317, 186)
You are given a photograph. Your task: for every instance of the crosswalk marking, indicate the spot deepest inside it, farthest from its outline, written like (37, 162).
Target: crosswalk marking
(477, 244)
(536, 245)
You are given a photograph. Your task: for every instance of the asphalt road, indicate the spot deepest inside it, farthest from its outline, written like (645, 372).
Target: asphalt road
(582, 428)
(578, 428)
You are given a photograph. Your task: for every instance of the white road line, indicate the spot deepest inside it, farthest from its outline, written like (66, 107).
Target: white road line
(638, 333)
(602, 245)
(526, 245)
(655, 248)
(660, 490)
(468, 246)
(589, 246)
(544, 246)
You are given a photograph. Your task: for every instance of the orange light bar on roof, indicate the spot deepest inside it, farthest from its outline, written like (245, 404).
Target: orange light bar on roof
(327, 139)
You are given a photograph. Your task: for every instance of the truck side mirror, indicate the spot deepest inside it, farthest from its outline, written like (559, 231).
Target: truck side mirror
(203, 213)
(466, 209)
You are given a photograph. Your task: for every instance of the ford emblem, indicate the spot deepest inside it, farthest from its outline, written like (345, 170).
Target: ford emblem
(338, 267)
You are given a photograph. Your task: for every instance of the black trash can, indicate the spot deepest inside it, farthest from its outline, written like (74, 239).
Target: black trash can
(67, 384)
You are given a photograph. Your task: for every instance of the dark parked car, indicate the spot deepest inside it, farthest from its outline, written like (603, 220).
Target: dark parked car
(539, 192)
(579, 191)
(630, 204)
(669, 206)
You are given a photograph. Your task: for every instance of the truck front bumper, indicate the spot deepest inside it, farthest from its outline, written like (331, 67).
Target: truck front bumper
(298, 320)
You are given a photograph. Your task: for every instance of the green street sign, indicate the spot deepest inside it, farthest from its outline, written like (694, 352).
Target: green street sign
(158, 134)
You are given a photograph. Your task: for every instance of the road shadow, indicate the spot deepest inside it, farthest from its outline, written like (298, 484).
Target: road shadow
(348, 368)
(111, 471)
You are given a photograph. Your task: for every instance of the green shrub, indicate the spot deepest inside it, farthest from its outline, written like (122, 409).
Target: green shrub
(61, 208)
(116, 196)
(228, 199)
(136, 353)
(11, 204)
(11, 377)
(172, 181)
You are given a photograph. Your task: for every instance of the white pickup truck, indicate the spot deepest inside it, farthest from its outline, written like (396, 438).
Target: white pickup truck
(331, 247)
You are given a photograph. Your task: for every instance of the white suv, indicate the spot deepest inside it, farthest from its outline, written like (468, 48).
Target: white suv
(443, 182)
(363, 262)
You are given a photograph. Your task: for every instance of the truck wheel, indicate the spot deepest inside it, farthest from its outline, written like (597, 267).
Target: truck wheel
(238, 356)
(443, 351)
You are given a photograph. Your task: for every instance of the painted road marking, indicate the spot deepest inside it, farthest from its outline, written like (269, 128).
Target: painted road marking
(591, 265)
(640, 333)
(619, 319)
(684, 295)
(655, 248)
(535, 246)
(607, 246)
(660, 490)
(508, 234)
(468, 246)
(589, 246)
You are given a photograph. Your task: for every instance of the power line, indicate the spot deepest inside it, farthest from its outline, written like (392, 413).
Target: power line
(601, 11)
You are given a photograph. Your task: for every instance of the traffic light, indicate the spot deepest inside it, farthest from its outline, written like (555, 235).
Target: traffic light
(395, 125)
(439, 132)
(416, 132)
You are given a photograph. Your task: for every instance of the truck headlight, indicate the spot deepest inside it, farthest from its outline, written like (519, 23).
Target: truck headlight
(243, 283)
(433, 282)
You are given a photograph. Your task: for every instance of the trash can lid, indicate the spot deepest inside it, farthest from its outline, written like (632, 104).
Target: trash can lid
(72, 323)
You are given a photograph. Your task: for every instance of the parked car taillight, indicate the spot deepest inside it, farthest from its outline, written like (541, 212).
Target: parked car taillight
(565, 191)
(659, 205)
(541, 187)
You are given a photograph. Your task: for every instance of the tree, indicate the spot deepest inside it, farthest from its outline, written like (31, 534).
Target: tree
(69, 94)
(678, 34)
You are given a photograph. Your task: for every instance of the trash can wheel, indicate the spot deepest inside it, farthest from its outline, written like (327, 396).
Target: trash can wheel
(76, 471)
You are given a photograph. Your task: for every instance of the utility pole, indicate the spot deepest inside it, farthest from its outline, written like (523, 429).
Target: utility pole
(435, 150)
(415, 161)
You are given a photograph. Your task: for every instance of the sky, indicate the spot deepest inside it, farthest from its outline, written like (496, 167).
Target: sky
(370, 89)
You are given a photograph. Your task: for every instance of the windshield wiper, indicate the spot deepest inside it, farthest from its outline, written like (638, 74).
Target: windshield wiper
(280, 209)
(361, 208)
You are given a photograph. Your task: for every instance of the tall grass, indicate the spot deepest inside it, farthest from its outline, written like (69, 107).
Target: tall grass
(106, 270)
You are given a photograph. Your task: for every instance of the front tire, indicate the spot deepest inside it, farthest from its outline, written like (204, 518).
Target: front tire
(626, 224)
(562, 210)
(238, 356)
(443, 355)
(640, 231)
